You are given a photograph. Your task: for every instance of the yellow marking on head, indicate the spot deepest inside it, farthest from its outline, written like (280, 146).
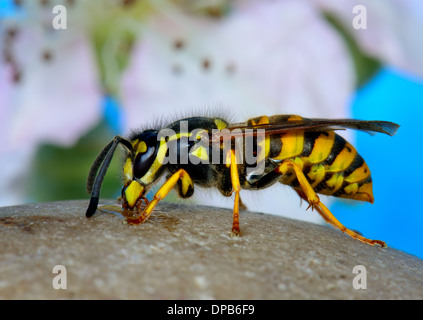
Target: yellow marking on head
(343, 159)
(179, 135)
(359, 174)
(322, 147)
(134, 143)
(127, 169)
(142, 147)
(292, 145)
(175, 136)
(139, 146)
(133, 192)
(150, 176)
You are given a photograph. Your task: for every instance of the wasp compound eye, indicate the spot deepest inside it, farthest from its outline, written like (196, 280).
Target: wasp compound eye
(146, 153)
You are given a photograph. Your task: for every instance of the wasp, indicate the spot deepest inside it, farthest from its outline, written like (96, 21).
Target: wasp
(303, 153)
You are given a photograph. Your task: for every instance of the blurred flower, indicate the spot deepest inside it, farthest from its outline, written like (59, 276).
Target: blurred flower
(262, 58)
(393, 33)
(53, 81)
(49, 93)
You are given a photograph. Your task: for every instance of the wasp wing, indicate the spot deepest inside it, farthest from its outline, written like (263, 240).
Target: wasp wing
(305, 124)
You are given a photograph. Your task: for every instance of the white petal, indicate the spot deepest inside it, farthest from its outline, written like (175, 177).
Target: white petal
(265, 58)
(54, 101)
(58, 100)
(393, 33)
(284, 57)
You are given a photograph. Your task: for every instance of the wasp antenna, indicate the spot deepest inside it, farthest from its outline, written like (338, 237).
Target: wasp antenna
(92, 207)
(99, 160)
(95, 180)
(96, 165)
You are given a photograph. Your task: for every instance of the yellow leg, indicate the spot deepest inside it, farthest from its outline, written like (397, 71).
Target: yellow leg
(313, 199)
(237, 188)
(160, 194)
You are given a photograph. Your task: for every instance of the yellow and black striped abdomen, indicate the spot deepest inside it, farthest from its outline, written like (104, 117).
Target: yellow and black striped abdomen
(330, 163)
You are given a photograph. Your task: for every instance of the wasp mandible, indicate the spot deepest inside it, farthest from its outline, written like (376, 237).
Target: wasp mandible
(305, 154)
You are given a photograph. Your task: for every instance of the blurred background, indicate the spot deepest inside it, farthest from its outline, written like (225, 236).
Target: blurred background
(75, 73)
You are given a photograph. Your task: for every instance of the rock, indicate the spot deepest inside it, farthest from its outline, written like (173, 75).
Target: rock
(186, 252)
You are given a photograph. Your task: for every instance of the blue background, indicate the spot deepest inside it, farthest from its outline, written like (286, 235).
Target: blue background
(395, 162)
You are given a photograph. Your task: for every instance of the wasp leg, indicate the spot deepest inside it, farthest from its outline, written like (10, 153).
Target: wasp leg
(312, 198)
(304, 197)
(236, 187)
(164, 190)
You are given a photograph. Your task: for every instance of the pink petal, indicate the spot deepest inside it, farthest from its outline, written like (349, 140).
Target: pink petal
(265, 58)
(393, 33)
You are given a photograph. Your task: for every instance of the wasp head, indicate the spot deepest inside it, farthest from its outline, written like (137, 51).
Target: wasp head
(140, 168)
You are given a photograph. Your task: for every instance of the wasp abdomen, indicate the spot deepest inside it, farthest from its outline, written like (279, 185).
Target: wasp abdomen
(331, 165)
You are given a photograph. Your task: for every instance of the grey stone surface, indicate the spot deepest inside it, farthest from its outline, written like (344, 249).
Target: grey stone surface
(186, 252)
